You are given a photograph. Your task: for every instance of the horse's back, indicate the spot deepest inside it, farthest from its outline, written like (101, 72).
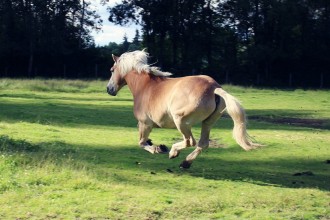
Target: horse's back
(194, 87)
(198, 83)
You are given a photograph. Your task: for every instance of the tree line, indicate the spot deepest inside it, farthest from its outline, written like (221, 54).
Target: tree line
(264, 42)
(251, 42)
(52, 38)
(42, 37)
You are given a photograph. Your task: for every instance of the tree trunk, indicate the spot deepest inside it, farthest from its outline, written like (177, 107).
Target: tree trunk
(82, 20)
(31, 56)
(30, 30)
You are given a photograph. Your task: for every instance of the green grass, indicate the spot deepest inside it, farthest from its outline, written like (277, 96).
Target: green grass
(69, 151)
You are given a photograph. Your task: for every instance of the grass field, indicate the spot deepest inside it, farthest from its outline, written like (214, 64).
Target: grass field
(69, 151)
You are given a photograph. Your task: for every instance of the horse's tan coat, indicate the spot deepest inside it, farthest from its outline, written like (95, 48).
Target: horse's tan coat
(161, 101)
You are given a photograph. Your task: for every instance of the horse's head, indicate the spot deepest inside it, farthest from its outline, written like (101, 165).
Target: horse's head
(127, 62)
(117, 80)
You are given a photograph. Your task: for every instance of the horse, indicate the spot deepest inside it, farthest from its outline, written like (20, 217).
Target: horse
(166, 102)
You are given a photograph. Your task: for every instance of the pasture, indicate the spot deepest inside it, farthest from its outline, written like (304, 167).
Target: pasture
(68, 150)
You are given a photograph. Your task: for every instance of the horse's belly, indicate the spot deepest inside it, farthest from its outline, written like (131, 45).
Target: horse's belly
(166, 125)
(165, 121)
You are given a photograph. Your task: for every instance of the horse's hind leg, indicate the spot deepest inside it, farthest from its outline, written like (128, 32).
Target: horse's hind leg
(188, 139)
(203, 143)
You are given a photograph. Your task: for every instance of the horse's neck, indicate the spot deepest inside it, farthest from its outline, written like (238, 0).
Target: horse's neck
(137, 83)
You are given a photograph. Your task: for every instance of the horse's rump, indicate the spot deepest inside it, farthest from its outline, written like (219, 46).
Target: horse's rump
(184, 97)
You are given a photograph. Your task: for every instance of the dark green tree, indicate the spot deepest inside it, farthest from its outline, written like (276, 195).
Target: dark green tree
(136, 43)
(37, 35)
(247, 41)
(125, 44)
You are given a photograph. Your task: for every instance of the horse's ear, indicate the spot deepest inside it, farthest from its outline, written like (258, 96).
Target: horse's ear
(115, 58)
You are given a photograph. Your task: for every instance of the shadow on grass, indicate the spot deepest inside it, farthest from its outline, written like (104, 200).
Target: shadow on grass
(70, 115)
(47, 111)
(105, 97)
(280, 172)
(289, 117)
(108, 114)
(102, 162)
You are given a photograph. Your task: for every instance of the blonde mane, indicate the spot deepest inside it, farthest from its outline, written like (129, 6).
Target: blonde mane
(138, 60)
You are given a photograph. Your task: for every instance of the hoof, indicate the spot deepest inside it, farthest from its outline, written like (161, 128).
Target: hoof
(150, 149)
(162, 149)
(174, 154)
(149, 142)
(185, 165)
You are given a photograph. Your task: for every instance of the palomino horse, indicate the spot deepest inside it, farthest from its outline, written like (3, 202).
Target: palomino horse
(160, 101)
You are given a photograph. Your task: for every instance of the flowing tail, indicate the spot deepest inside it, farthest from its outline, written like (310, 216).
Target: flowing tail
(237, 113)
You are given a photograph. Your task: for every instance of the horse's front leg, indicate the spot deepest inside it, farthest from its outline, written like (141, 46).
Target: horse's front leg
(145, 143)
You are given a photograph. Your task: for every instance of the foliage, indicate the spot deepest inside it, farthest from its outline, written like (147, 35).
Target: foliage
(268, 42)
(118, 49)
(44, 36)
(247, 42)
(69, 151)
(52, 39)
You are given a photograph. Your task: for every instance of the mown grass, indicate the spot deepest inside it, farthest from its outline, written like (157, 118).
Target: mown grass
(69, 151)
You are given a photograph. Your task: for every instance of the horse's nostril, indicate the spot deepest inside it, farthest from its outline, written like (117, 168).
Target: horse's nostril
(111, 91)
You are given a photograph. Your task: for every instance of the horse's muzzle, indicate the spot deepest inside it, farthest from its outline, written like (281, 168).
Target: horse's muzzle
(111, 91)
